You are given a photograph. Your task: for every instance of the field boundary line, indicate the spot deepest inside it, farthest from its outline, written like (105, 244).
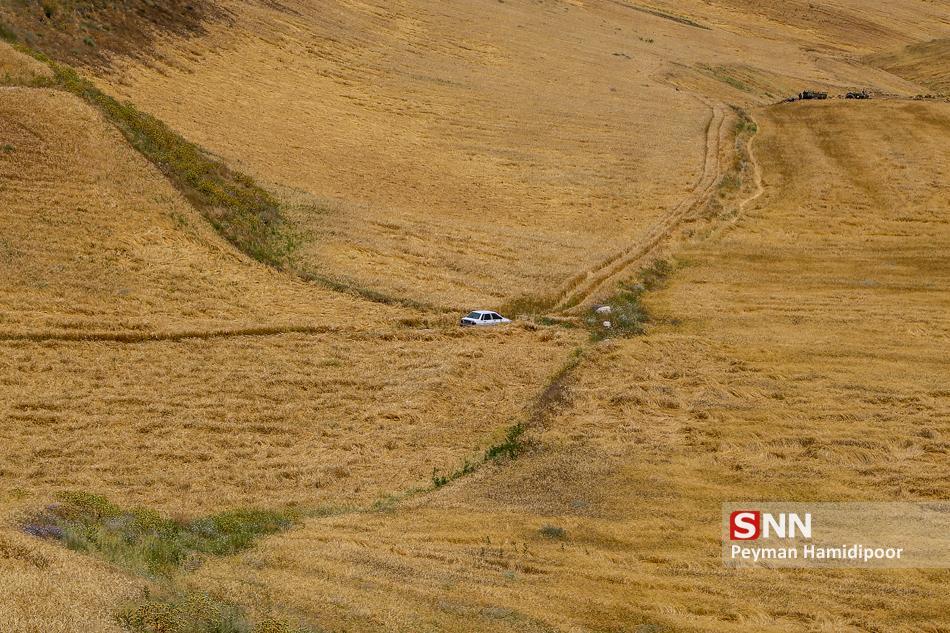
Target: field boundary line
(155, 336)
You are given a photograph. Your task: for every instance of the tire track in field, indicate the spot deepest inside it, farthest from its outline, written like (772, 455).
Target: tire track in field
(757, 181)
(582, 287)
(398, 332)
(756, 174)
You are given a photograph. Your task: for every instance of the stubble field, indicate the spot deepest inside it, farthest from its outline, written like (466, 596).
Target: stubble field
(808, 362)
(454, 156)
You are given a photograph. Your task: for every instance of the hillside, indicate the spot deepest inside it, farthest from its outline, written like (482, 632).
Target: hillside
(463, 156)
(924, 63)
(765, 390)
(786, 265)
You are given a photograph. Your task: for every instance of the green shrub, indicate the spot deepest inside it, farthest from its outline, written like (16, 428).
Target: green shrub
(6, 33)
(441, 480)
(628, 316)
(568, 324)
(510, 447)
(655, 275)
(552, 531)
(143, 540)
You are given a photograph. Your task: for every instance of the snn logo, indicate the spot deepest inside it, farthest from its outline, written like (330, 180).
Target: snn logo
(749, 525)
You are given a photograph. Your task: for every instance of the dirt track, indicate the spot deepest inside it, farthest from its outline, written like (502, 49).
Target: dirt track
(602, 278)
(809, 364)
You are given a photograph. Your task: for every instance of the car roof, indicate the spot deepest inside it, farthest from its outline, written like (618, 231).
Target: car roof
(481, 312)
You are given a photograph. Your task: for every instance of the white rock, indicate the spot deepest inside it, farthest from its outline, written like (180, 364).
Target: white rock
(607, 324)
(604, 310)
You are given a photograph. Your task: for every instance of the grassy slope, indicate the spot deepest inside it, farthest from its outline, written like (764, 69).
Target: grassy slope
(90, 32)
(132, 254)
(470, 176)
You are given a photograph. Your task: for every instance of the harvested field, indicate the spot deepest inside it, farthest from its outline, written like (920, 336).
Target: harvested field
(312, 420)
(927, 63)
(129, 313)
(787, 265)
(817, 371)
(474, 170)
(131, 254)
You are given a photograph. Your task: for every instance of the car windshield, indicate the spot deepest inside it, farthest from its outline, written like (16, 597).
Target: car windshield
(474, 315)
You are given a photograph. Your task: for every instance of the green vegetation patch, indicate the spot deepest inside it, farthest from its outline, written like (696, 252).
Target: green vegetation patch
(93, 32)
(516, 442)
(511, 446)
(144, 541)
(624, 313)
(552, 532)
(244, 213)
(738, 172)
(247, 215)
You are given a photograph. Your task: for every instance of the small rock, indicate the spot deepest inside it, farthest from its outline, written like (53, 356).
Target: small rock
(604, 310)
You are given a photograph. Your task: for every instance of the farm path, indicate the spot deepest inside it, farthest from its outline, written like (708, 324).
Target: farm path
(583, 288)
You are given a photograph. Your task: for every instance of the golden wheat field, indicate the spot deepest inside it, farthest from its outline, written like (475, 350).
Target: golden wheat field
(773, 393)
(195, 441)
(456, 156)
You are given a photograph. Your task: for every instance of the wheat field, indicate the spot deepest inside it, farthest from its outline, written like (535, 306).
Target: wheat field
(819, 372)
(504, 164)
(112, 310)
(435, 157)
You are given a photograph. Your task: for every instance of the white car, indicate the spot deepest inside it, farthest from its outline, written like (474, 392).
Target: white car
(483, 317)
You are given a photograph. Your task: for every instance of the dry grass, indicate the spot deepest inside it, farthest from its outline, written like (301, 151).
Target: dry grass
(473, 154)
(461, 154)
(17, 68)
(815, 372)
(129, 253)
(483, 173)
(334, 419)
